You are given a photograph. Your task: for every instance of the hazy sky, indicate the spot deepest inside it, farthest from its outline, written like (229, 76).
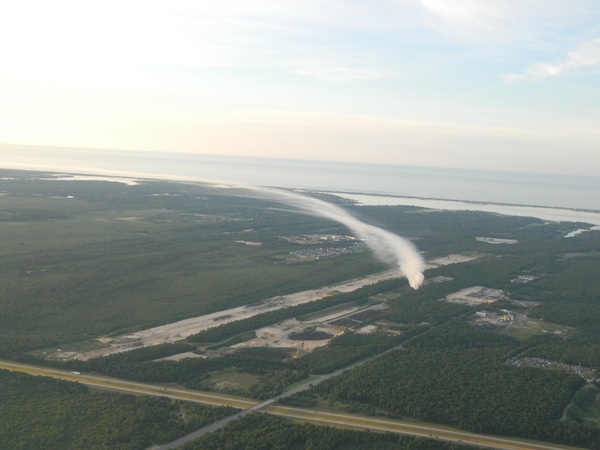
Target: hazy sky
(492, 84)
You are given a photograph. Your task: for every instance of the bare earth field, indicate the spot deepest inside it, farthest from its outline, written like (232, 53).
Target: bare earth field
(180, 330)
(450, 259)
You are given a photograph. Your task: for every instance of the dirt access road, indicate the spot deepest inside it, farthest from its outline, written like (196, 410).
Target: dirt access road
(178, 331)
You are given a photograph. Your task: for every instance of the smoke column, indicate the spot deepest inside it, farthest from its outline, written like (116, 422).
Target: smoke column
(387, 246)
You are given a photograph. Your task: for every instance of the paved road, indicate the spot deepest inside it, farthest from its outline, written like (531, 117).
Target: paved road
(269, 406)
(132, 386)
(263, 406)
(409, 428)
(361, 422)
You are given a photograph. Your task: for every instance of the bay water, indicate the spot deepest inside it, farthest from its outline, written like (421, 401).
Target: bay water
(541, 190)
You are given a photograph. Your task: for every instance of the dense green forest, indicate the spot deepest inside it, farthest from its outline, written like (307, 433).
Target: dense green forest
(231, 329)
(265, 432)
(346, 349)
(457, 375)
(40, 412)
(272, 375)
(85, 259)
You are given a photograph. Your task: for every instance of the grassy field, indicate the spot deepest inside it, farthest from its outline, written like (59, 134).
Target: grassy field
(232, 380)
(76, 346)
(532, 327)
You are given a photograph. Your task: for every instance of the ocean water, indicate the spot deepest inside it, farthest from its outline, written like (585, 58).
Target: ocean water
(426, 182)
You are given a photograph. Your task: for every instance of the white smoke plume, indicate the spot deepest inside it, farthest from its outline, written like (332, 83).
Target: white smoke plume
(387, 246)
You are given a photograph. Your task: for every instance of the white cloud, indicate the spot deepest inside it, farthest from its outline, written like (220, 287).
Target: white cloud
(531, 23)
(475, 22)
(463, 12)
(342, 74)
(586, 54)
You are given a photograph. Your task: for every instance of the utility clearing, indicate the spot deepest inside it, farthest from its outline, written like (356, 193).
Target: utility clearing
(178, 331)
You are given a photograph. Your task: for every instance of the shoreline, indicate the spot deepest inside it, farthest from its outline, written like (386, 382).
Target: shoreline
(554, 214)
(341, 193)
(474, 185)
(591, 217)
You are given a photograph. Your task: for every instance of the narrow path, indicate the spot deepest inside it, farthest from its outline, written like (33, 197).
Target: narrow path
(564, 414)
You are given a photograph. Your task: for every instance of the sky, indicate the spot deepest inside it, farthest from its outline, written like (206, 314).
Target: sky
(496, 84)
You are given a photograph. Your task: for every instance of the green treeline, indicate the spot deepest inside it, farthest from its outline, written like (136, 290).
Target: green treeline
(118, 258)
(580, 349)
(348, 348)
(417, 310)
(570, 297)
(231, 329)
(41, 412)
(193, 373)
(274, 376)
(456, 375)
(584, 403)
(265, 432)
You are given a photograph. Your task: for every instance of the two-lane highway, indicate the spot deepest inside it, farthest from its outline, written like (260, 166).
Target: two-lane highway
(249, 405)
(132, 386)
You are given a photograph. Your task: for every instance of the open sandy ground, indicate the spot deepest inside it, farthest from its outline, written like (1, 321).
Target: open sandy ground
(178, 331)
